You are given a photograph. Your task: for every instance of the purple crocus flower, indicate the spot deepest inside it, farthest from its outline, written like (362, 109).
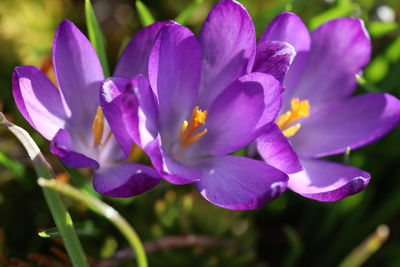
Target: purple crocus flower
(199, 104)
(320, 116)
(70, 115)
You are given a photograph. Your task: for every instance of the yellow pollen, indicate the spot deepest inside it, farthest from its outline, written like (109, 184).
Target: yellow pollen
(98, 127)
(189, 128)
(299, 109)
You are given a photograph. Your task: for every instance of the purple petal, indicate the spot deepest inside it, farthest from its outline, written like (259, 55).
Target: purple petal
(288, 27)
(148, 110)
(233, 117)
(62, 147)
(240, 183)
(339, 49)
(327, 181)
(125, 179)
(228, 43)
(120, 109)
(134, 60)
(174, 72)
(39, 101)
(276, 150)
(169, 168)
(79, 74)
(353, 122)
(131, 110)
(274, 58)
(272, 97)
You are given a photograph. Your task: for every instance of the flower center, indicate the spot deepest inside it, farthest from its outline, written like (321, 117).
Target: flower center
(299, 109)
(98, 128)
(189, 129)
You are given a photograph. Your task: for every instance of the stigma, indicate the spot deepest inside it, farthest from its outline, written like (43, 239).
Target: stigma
(188, 133)
(299, 109)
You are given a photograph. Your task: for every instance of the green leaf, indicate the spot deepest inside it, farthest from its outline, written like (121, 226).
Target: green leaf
(241, 152)
(14, 166)
(296, 246)
(342, 10)
(60, 214)
(104, 210)
(96, 37)
(82, 230)
(379, 28)
(145, 15)
(109, 247)
(377, 70)
(80, 181)
(393, 52)
(183, 17)
(366, 85)
(359, 255)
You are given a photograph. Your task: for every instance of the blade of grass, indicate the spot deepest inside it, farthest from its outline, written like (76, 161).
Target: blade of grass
(96, 37)
(342, 10)
(80, 181)
(145, 16)
(104, 210)
(183, 17)
(53, 232)
(296, 247)
(368, 247)
(60, 214)
(14, 166)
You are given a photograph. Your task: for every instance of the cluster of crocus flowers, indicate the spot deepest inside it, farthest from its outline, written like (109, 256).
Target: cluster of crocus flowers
(189, 102)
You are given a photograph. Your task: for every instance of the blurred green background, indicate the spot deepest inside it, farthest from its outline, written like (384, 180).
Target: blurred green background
(178, 226)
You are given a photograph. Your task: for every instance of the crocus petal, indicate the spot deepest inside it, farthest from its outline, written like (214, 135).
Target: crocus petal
(275, 149)
(79, 74)
(169, 168)
(125, 179)
(131, 111)
(62, 147)
(288, 27)
(233, 117)
(275, 58)
(327, 181)
(120, 109)
(339, 49)
(134, 60)
(174, 74)
(354, 122)
(228, 43)
(147, 114)
(39, 101)
(240, 183)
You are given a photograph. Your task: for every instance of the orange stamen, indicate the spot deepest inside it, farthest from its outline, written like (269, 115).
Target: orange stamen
(98, 127)
(188, 129)
(299, 109)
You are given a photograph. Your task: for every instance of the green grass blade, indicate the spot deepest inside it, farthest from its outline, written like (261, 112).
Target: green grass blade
(183, 17)
(339, 11)
(96, 37)
(80, 181)
(14, 166)
(145, 15)
(60, 214)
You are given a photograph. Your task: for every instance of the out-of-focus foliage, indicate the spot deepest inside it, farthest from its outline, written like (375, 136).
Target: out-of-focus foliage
(178, 226)
(29, 26)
